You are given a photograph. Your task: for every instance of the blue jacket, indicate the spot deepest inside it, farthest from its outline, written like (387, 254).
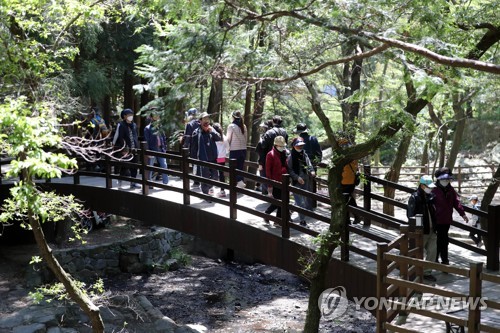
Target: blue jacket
(203, 145)
(153, 137)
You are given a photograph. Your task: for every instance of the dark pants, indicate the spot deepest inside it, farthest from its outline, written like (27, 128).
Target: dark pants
(474, 236)
(348, 192)
(132, 172)
(273, 207)
(442, 243)
(208, 173)
(239, 155)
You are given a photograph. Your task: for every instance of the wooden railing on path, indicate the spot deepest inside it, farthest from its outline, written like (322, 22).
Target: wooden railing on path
(394, 293)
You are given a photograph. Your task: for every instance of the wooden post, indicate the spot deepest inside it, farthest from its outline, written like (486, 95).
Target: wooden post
(233, 195)
(76, 178)
(285, 203)
(493, 238)
(367, 191)
(419, 243)
(185, 176)
(344, 237)
(107, 168)
(381, 286)
(475, 294)
(144, 162)
(403, 251)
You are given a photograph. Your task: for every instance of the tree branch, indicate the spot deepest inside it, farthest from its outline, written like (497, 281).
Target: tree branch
(221, 73)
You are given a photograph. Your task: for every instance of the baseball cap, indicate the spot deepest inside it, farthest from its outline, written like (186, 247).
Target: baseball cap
(427, 181)
(298, 142)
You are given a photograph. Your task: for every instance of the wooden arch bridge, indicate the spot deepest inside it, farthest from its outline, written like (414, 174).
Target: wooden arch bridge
(380, 258)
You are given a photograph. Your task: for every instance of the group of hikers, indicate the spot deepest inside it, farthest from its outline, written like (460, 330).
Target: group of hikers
(207, 142)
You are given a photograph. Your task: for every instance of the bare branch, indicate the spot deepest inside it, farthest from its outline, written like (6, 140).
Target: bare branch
(94, 150)
(222, 74)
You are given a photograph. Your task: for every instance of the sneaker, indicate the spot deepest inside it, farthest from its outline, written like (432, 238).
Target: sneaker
(429, 277)
(134, 185)
(303, 223)
(241, 184)
(195, 185)
(221, 194)
(211, 191)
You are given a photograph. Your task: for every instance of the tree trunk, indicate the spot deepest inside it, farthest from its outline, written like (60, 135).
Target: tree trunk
(458, 108)
(72, 289)
(395, 170)
(327, 245)
(215, 98)
(488, 198)
(425, 154)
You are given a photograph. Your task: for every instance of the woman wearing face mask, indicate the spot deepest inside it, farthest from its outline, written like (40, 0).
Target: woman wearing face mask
(445, 199)
(275, 168)
(126, 141)
(421, 202)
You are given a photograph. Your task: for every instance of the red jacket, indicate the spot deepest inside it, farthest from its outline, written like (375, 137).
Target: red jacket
(274, 167)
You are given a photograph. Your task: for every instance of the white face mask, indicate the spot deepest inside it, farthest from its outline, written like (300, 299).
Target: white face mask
(444, 183)
(280, 149)
(428, 190)
(130, 118)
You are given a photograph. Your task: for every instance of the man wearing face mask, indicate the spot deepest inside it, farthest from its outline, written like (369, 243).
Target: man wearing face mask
(126, 139)
(445, 199)
(421, 202)
(204, 148)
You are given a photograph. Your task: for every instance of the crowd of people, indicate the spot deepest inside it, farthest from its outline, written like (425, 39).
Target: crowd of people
(206, 141)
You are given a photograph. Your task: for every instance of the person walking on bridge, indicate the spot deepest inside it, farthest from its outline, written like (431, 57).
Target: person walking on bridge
(193, 123)
(126, 140)
(237, 139)
(156, 141)
(422, 202)
(446, 198)
(302, 173)
(204, 148)
(275, 168)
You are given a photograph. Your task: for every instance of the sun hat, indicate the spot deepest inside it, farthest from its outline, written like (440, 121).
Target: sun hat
(427, 181)
(203, 115)
(236, 114)
(192, 111)
(279, 141)
(473, 197)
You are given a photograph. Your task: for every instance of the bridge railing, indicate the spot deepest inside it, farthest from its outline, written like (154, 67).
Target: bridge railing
(490, 233)
(397, 293)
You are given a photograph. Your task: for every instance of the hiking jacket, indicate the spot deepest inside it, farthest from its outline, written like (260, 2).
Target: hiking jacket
(445, 199)
(275, 164)
(422, 203)
(312, 148)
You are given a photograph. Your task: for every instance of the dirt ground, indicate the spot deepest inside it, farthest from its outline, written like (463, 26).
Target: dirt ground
(222, 296)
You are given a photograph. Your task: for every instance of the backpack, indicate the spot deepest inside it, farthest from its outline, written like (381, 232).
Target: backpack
(101, 126)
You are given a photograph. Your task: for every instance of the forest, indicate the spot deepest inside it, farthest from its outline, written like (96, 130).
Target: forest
(403, 78)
